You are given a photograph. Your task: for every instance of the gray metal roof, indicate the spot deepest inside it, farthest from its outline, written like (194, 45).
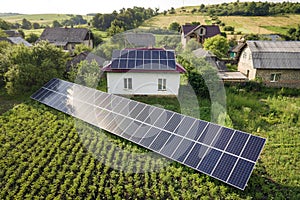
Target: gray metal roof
(19, 40)
(140, 39)
(61, 36)
(275, 54)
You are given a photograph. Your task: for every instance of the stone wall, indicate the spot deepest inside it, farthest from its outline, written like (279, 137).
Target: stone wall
(288, 78)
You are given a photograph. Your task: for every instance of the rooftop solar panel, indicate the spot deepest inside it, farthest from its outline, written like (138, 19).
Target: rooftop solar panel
(223, 153)
(147, 59)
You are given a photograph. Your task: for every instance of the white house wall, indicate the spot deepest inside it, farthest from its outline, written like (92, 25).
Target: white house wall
(143, 83)
(245, 64)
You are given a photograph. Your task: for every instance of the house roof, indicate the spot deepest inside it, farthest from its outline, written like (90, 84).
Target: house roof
(275, 54)
(211, 30)
(187, 28)
(12, 33)
(203, 53)
(16, 40)
(137, 60)
(140, 39)
(62, 36)
(238, 47)
(88, 56)
(232, 76)
(211, 58)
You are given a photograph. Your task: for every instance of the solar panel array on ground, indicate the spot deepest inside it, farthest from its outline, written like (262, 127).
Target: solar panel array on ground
(223, 153)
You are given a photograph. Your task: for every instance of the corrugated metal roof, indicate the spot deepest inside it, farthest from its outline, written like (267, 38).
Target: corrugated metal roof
(274, 46)
(275, 54)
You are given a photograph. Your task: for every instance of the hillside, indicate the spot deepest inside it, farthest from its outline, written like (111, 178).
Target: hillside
(244, 24)
(42, 19)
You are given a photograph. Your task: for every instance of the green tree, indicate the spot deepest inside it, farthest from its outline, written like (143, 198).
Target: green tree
(4, 25)
(2, 33)
(26, 24)
(85, 73)
(26, 69)
(56, 24)
(32, 38)
(174, 26)
(36, 25)
(217, 45)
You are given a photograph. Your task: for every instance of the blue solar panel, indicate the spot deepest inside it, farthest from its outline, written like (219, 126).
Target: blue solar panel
(182, 150)
(241, 173)
(220, 152)
(196, 155)
(161, 139)
(132, 54)
(209, 134)
(223, 138)
(209, 161)
(171, 145)
(155, 55)
(224, 167)
(237, 142)
(147, 55)
(143, 59)
(196, 130)
(253, 148)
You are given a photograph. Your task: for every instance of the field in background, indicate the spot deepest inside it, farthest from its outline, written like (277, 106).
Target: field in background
(251, 24)
(42, 19)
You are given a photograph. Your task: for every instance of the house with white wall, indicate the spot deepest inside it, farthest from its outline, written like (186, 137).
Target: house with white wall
(143, 71)
(275, 63)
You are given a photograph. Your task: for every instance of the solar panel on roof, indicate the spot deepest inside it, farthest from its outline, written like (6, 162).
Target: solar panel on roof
(143, 59)
(223, 153)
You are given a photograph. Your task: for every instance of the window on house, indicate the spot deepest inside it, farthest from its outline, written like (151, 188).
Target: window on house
(202, 31)
(162, 82)
(128, 83)
(275, 77)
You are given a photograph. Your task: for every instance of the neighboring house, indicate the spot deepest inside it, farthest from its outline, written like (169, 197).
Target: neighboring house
(143, 71)
(16, 40)
(139, 39)
(198, 32)
(235, 52)
(14, 37)
(220, 67)
(12, 33)
(211, 58)
(68, 38)
(275, 63)
(87, 56)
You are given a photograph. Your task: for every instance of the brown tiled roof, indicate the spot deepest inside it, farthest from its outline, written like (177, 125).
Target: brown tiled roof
(66, 35)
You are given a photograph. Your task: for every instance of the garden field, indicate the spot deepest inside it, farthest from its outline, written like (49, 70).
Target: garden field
(46, 154)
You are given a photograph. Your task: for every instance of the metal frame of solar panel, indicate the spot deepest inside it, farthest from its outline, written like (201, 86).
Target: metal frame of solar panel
(146, 59)
(223, 153)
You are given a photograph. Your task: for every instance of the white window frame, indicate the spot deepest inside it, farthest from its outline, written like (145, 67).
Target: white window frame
(275, 77)
(128, 83)
(162, 84)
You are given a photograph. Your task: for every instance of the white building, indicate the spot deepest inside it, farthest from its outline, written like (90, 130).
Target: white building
(145, 71)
